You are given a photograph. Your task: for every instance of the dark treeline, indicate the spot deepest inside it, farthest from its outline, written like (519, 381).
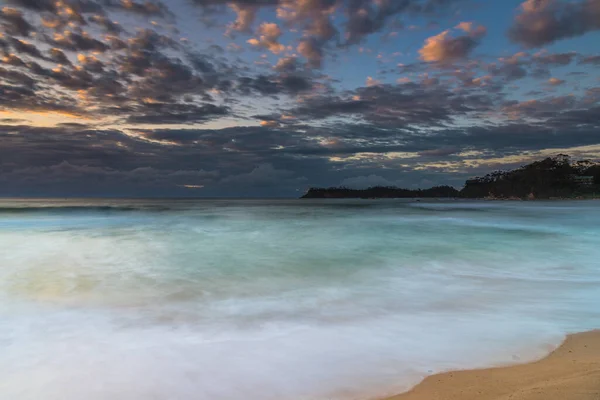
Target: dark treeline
(553, 177)
(379, 192)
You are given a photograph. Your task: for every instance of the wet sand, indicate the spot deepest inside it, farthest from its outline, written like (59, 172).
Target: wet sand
(571, 372)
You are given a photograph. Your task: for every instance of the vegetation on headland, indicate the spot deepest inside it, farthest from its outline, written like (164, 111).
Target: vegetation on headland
(379, 192)
(553, 177)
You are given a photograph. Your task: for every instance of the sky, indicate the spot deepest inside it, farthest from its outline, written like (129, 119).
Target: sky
(264, 98)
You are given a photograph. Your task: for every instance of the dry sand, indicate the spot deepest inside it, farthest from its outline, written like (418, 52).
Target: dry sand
(572, 372)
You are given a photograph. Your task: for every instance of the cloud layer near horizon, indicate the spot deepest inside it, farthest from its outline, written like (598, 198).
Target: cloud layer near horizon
(268, 97)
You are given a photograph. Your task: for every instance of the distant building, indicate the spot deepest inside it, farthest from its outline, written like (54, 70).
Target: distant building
(583, 180)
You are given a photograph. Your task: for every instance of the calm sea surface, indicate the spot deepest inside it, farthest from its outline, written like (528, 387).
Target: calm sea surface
(283, 300)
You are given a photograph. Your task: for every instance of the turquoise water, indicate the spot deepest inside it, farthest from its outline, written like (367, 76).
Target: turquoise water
(211, 300)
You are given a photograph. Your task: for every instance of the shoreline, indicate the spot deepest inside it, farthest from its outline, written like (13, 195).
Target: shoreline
(571, 372)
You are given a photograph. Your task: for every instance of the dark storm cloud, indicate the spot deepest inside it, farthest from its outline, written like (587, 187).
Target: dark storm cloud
(541, 22)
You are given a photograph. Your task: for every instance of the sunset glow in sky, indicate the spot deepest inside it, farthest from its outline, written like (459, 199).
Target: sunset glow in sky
(269, 97)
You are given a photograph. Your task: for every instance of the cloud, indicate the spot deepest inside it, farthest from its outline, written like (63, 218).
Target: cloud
(444, 48)
(510, 68)
(24, 47)
(63, 177)
(84, 61)
(13, 22)
(263, 175)
(76, 42)
(164, 113)
(315, 19)
(372, 81)
(591, 60)
(269, 38)
(555, 81)
(272, 85)
(312, 50)
(58, 56)
(274, 160)
(541, 22)
(400, 106)
(286, 64)
(554, 59)
(90, 63)
(246, 14)
(17, 78)
(445, 151)
(108, 24)
(364, 182)
(146, 9)
(74, 8)
(366, 17)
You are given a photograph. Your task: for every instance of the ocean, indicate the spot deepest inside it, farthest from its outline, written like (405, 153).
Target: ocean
(283, 299)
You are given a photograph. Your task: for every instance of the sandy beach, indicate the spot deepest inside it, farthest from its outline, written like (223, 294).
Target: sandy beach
(571, 372)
